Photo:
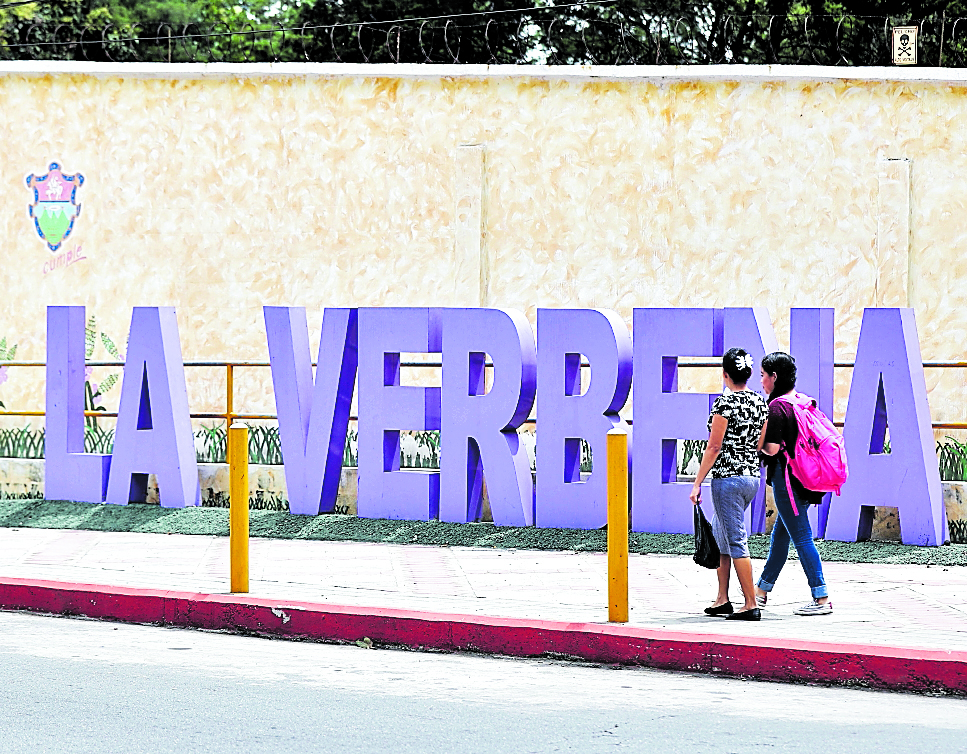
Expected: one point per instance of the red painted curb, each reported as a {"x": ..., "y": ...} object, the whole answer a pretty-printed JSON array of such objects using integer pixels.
[{"x": 768, "y": 659}]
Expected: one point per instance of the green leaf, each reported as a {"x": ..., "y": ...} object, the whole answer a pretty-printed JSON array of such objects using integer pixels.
[
  {"x": 12, "y": 353},
  {"x": 109, "y": 345},
  {"x": 107, "y": 383},
  {"x": 90, "y": 334}
]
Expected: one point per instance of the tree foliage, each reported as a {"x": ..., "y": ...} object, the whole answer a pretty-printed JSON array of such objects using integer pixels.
[{"x": 481, "y": 31}]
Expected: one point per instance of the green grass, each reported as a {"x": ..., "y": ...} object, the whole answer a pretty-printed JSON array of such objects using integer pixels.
[
  {"x": 952, "y": 457},
  {"x": 98, "y": 440},
  {"x": 214, "y": 444},
  {"x": 691, "y": 449},
  {"x": 22, "y": 443},
  {"x": 958, "y": 532},
  {"x": 264, "y": 445}
]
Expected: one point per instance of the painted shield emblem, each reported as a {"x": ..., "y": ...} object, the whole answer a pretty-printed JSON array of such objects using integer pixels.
[{"x": 55, "y": 208}]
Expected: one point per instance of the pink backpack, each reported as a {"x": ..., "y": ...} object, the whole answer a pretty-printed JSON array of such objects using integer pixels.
[{"x": 820, "y": 460}]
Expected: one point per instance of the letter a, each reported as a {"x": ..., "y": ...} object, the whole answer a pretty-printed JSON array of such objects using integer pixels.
[
  {"x": 889, "y": 389},
  {"x": 154, "y": 427}
]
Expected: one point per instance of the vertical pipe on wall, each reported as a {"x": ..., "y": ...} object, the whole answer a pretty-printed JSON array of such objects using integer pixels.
[
  {"x": 471, "y": 263},
  {"x": 893, "y": 279},
  {"x": 229, "y": 395}
]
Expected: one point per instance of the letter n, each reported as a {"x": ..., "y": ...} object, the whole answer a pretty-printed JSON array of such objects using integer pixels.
[
  {"x": 750, "y": 328},
  {"x": 889, "y": 391},
  {"x": 154, "y": 427}
]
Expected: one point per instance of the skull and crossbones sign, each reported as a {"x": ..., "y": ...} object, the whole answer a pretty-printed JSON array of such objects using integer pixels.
[{"x": 905, "y": 50}]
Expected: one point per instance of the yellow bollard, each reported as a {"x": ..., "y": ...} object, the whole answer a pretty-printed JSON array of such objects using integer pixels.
[
  {"x": 617, "y": 526},
  {"x": 238, "y": 512}
]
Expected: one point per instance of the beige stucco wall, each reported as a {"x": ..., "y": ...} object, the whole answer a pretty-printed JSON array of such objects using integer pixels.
[{"x": 219, "y": 189}]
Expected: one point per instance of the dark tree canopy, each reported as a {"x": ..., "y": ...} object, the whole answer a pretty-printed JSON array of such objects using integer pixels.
[{"x": 482, "y": 31}]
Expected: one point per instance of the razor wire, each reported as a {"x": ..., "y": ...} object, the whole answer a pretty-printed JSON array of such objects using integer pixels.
[{"x": 545, "y": 35}]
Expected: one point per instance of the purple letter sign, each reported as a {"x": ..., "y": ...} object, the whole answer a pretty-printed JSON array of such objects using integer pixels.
[
  {"x": 812, "y": 342},
  {"x": 312, "y": 419},
  {"x": 71, "y": 474},
  {"x": 154, "y": 428},
  {"x": 750, "y": 328},
  {"x": 889, "y": 390},
  {"x": 482, "y": 425},
  {"x": 663, "y": 415},
  {"x": 386, "y": 407},
  {"x": 565, "y": 417}
]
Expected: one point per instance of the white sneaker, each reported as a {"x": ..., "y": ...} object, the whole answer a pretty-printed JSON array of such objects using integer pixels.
[{"x": 814, "y": 608}]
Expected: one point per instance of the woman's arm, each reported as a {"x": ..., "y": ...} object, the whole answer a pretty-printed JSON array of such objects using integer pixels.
[
  {"x": 771, "y": 448},
  {"x": 772, "y": 429},
  {"x": 712, "y": 450},
  {"x": 762, "y": 438}
]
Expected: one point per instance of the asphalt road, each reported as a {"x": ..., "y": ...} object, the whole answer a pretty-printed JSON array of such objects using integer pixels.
[{"x": 85, "y": 686}]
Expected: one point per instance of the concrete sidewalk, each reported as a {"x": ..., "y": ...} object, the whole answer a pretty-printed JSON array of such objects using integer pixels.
[{"x": 904, "y": 607}]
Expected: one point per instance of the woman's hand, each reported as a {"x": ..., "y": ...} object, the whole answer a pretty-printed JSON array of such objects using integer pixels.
[{"x": 696, "y": 494}]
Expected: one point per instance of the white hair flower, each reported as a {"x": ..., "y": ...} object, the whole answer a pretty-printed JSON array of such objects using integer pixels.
[{"x": 744, "y": 362}]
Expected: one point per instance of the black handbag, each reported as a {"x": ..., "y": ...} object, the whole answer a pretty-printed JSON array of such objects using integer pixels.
[{"x": 706, "y": 550}]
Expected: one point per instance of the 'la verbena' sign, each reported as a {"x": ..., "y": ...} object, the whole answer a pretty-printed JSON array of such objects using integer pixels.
[{"x": 478, "y": 426}]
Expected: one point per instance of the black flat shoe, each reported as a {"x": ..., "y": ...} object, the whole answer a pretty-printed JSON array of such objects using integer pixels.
[
  {"x": 724, "y": 609},
  {"x": 753, "y": 614}
]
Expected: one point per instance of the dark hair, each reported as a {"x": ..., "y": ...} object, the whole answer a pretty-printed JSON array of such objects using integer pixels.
[
  {"x": 783, "y": 366},
  {"x": 737, "y": 366}
]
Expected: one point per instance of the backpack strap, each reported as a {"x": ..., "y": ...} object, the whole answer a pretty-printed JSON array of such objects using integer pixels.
[
  {"x": 792, "y": 499},
  {"x": 782, "y": 449}
]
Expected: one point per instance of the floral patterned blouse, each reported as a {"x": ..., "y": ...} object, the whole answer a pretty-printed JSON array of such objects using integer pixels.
[{"x": 746, "y": 412}]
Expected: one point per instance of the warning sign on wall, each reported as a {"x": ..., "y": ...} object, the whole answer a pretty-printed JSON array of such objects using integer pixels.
[{"x": 905, "y": 45}]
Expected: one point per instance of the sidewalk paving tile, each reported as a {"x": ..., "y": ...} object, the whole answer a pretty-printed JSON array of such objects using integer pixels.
[{"x": 892, "y": 605}]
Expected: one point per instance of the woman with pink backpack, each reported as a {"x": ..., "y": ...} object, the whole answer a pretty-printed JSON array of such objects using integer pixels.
[{"x": 791, "y": 496}]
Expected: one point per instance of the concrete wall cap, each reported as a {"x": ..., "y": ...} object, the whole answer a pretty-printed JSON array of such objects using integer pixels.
[{"x": 653, "y": 73}]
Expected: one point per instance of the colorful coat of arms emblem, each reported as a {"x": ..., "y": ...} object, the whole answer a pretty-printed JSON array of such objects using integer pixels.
[{"x": 55, "y": 207}]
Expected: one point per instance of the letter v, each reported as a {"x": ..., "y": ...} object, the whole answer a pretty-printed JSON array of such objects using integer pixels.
[{"x": 313, "y": 417}]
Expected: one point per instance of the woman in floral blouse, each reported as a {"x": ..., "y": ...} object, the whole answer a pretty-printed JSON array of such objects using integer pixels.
[{"x": 736, "y": 429}]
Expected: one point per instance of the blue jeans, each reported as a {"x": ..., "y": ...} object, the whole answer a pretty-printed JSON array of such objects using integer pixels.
[
  {"x": 797, "y": 528},
  {"x": 731, "y": 495}
]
